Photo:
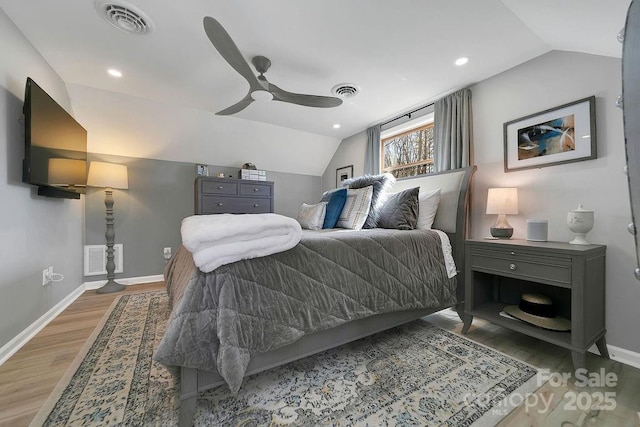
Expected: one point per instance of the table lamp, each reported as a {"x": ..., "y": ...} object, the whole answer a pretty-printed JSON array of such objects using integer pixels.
[
  {"x": 502, "y": 202},
  {"x": 109, "y": 176}
]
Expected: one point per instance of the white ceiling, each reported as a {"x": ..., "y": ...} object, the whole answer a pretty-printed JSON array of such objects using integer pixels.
[{"x": 400, "y": 52}]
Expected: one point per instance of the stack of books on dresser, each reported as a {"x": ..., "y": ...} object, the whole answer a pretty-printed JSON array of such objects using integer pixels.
[{"x": 252, "y": 174}]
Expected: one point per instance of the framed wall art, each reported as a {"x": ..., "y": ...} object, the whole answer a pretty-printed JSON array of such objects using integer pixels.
[
  {"x": 559, "y": 135},
  {"x": 202, "y": 170},
  {"x": 343, "y": 173}
]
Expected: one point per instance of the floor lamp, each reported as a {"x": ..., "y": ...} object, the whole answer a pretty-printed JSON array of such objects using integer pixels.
[{"x": 109, "y": 176}]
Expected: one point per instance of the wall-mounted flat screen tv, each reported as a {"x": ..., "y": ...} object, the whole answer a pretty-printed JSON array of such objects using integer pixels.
[{"x": 55, "y": 146}]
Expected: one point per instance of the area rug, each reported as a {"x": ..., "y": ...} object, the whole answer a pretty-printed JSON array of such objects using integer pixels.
[{"x": 416, "y": 374}]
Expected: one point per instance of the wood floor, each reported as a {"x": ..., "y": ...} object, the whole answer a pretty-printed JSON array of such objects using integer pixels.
[{"x": 28, "y": 377}]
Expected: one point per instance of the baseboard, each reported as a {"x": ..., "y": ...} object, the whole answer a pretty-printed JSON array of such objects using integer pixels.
[
  {"x": 619, "y": 354},
  {"x": 625, "y": 356},
  {"x": 126, "y": 281},
  {"x": 10, "y": 348}
]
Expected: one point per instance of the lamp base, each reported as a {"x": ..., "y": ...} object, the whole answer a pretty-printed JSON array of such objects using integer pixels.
[
  {"x": 501, "y": 233},
  {"x": 111, "y": 286},
  {"x": 502, "y": 229}
]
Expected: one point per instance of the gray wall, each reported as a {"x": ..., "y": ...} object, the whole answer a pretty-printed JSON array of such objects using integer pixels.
[
  {"x": 350, "y": 152},
  {"x": 36, "y": 232},
  {"x": 148, "y": 215},
  {"x": 549, "y": 193}
]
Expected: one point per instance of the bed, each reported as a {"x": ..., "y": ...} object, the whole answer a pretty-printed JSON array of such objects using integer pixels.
[{"x": 331, "y": 288}]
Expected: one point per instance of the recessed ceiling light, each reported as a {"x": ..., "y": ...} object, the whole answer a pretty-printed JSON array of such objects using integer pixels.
[
  {"x": 336, "y": 126},
  {"x": 462, "y": 61},
  {"x": 114, "y": 73}
]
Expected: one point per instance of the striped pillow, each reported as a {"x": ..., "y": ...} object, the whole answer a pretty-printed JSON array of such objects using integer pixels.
[{"x": 356, "y": 208}]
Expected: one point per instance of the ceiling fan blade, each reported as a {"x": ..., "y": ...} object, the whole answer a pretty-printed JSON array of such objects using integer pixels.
[
  {"x": 224, "y": 44},
  {"x": 238, "y": 106},
  {"x": 300, "y": 99}
]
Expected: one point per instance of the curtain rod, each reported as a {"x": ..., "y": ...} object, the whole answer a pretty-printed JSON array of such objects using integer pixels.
[{"x": 406, "y": 114}]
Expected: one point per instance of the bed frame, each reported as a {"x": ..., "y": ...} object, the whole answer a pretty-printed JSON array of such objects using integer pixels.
[{"x": 454, "y": 186}]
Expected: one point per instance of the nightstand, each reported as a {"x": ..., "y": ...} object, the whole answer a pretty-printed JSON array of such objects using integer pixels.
[{"x": 498, "y": 272}]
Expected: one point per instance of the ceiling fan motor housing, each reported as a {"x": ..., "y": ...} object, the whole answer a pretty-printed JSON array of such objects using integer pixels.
[{"x": 261, "y": 63}]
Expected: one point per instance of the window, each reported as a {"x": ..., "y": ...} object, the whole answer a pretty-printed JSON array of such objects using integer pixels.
[{"x": 408, "y": 153}]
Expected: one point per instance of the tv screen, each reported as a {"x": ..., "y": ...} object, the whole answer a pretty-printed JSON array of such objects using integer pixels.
[{"x": 55, "y": 146}]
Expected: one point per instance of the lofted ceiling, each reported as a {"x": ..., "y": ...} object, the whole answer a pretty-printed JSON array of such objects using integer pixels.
[{"x": 400, "y": 53}]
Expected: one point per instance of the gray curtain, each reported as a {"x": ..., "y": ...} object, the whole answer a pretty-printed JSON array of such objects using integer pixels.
[
  {"x": 453, "y": 131},
  {"x": 372, "y": 155}
]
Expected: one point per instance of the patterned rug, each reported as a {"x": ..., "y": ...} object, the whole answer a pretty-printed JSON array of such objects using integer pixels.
[{"x": 415, "y": 374}]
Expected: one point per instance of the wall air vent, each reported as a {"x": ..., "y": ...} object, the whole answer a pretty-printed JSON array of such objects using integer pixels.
[
  {"x": 95, "y": 259},
  {"x": 345, "y": 90},
  {"x": 125, "y": 17}
]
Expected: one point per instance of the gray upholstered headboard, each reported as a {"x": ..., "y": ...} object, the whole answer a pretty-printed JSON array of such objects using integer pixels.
[
  {"x": 453, "y": 187},
  {"x": 453, "y": 209}
]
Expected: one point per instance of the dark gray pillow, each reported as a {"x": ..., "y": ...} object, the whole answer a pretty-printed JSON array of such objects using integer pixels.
[
  {"x": 400, "y": 210},
  {"x": 381, "y": 183}
]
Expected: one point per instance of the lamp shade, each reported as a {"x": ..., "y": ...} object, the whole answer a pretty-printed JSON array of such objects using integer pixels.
[
  {"x": 108, "y": 175},
  {"x": 67, "y": 171},
  {"x": 502, "y": 201}
]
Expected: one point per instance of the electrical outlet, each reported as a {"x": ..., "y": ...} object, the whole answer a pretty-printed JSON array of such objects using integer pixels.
[
  {"x": 166, "y": 253},
  {"x": 47, "y": 274}
]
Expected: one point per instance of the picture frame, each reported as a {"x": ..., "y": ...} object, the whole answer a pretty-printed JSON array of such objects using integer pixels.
[
  {"x": 343, "y": 173},
  {"x": 559, "y": 135},
  {"x": 202, "y": 170}
]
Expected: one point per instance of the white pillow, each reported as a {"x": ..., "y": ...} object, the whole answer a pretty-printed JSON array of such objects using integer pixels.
[
  {"x": 311, "y": 217},
  {"x": 427, "y": 208},
  {"x": 356, "y": 208}
]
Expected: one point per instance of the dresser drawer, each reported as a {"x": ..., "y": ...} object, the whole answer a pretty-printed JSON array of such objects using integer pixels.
[
  {"x": 235, "y": 205},
  {"x": 255, "y": 190},
  {"x": 522, "y": 265},
  {"x": 219, "y": 187}
]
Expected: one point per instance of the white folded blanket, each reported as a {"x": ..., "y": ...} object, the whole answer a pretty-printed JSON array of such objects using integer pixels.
[{"x": 216, "y": 240}]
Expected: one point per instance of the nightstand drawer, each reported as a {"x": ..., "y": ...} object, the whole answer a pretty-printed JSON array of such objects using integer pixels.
[
  {"x": 535, "y": 268},
  {"x": 219, "y": 187},
  {"x": 235, "y": 205},
  {"x": 255, "y": 190}
]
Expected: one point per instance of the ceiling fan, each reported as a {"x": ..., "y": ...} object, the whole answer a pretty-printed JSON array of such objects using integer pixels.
[{"x": 259, "y": 88}]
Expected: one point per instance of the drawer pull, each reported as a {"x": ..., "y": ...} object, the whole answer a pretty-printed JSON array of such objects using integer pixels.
[
  {"x": 512, "y": 266},
  {"x": 256, "y": 189},
  {"x": 220, "y": 187},
  {"x": 513, "y": 253},
  {"x": 220, "y": 204},
  {"x": 256, "y": 205}
]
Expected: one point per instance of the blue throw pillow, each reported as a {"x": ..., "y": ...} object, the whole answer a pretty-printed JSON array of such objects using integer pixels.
[{"x": 336, "y": 200}]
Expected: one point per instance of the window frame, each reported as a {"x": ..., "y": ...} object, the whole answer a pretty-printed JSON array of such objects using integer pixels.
[{"x": 392, "y": 135}]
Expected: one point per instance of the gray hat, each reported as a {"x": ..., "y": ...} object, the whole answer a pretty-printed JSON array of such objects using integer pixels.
[{"x": 538, "y": 310}]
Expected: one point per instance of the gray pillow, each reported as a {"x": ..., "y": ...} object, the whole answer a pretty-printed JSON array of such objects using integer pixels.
[
  {"x": 380, "y": 183},
  {"x": 400, "y": 211}
]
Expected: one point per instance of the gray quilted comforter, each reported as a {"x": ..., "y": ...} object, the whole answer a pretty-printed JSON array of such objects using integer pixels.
[{"x": 220, "y": 319}]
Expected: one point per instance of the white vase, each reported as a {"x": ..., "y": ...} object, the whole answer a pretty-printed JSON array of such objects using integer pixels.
[{"x": 580, "y": 221}]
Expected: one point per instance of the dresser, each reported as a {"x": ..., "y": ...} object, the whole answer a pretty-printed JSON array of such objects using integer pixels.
[
  {"x": 236, "y": 196},
  {"x": 498, "y": 272}
]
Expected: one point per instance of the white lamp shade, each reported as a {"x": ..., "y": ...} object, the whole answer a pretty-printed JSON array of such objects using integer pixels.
[
  {"x": 108, "y": 175},
  {"x": 502, "y": 201},
  {"x": 67, "y": 171}
]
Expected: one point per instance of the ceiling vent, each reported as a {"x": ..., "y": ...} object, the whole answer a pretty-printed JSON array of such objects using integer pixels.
[
  {"x": 345, "y": 90},
  {"x": 125, "y": 17}
]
